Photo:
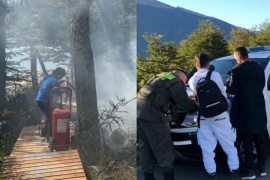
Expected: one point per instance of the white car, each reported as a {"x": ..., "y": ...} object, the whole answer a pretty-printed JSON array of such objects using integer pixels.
[{"x": 184, "y": 129}]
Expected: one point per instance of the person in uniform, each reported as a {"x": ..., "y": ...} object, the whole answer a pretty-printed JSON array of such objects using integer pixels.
[{"x": 154, "y": 138}]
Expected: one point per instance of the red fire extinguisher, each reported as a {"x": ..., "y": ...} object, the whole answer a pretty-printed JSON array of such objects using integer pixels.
[{"x": 60, "y": 116}]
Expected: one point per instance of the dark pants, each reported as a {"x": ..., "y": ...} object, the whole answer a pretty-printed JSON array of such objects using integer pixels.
[
  {"x": 44, "y": 106},
  {"x": 155, "y": 145},
  {"x": 249, "y": 139}
]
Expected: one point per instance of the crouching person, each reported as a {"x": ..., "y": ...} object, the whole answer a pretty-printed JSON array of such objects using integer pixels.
[
  {"x": 43, "y": 98},
  {"x": 153, "y": 131}
]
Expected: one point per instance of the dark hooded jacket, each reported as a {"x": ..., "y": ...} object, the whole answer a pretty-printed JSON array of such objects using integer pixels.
[
  {"x": 248, "y": 112},
  {"x": 174, "y": 89}
]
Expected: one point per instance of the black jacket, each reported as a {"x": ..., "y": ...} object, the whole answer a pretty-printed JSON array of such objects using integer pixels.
[{"x": 246, "y": 82}]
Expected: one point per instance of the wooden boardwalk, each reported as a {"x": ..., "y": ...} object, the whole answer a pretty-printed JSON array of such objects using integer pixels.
[{"x": 31, "y": 159}]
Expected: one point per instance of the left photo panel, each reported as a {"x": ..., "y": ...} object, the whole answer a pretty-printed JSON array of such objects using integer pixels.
[{"x": 68, "y": 89}]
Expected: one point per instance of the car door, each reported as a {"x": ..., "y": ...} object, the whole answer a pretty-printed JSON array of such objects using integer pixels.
[{"x": 266, "y": 93}]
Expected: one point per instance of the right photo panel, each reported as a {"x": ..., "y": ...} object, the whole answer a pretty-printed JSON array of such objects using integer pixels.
[{"x": 203, "y": 90}]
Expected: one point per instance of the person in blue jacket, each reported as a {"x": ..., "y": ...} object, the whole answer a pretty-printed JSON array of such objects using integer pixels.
[{"x": 43, "y": 98}]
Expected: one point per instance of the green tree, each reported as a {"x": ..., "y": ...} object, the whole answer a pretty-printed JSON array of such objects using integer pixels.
[
  {"x": 240, "y": 37},
  {"x": 38, "y": 29},
  {"x": 162, "y": 57},
  {"x": 208, "y": 39},
  {"x": 144, "y": 71},
  {"x": 24, "y": 29},
  {"x": 263, "y": 35}
]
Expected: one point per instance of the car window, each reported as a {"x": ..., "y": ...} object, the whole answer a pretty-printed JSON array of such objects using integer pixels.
[
  {"x": 261, "y": 61},
  {"x": 223, "y": 66}
]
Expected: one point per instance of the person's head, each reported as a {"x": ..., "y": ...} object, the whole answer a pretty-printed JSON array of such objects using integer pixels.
[
  {"x": 240, "y": 55},
  {"x": 59, "y": 73},
  {"x": 181, "y": 75},
  {"x": 201, "y": 61}
]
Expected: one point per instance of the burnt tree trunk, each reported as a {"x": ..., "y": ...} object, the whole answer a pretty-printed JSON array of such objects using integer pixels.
[
  {"x": 2, "y": 52},
  {"x": 85, "y": 84},
  {"x": 33, "y": 60},
  {"x": 42, "y": 63}
]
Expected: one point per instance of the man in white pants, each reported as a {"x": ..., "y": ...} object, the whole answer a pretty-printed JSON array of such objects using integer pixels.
[{"x": 217, "y": 128}]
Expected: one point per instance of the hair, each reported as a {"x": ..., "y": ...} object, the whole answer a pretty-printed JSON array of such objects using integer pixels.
[
  {"x": 59, "y": 72},
  {"x": 202, "y": 59},
  {"x": 242, "y": 51},
  {"x": 178, "y": 72},
  {"x": 180, "y": 75}
]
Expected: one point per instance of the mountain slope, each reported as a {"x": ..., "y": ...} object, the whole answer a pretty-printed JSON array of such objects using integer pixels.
[{"x": 174, "y": 23}]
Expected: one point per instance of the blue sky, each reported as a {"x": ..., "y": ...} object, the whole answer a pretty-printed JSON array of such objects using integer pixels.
[{"x": 242, "y": 13}]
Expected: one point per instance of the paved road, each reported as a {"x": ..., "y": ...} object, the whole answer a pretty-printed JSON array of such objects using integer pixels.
[{"x": 194, "y": 170}]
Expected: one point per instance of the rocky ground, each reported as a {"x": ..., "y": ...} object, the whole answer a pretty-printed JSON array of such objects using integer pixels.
[
  {"x": 121, "y": 159},
  {"x": 119, "y": 156},
  {"x": 122, "y": 168}
]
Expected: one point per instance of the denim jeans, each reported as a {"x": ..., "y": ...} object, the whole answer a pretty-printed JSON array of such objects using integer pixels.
[{"x": 44, "y": 106}]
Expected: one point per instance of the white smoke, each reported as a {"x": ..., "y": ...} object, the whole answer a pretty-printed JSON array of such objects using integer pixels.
[{"x": 115, "y": 64}]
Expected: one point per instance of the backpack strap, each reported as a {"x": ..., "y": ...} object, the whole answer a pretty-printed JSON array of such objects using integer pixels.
[
  {"x": 199, "y": 119},
  {"x": 208, "y": 75}
]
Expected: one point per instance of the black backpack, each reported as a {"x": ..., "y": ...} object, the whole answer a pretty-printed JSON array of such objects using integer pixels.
[
  {"x": 209, "y": 97},
  {"x": 155, "y": 90}
]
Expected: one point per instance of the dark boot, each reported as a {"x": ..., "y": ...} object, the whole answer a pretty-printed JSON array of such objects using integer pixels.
[
  {"x": 235, "y": 175},
  {"x": 168, "y": 175},
  {"x": 212, "y": 176},
  {"x": 262, "y": 170},
  {"x": 148, "y": 176}
]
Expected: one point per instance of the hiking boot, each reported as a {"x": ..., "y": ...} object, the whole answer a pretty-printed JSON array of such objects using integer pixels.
[
  {"x": 212, "y": 176},
  {"x": 262, "y": 171},
  {"x": 248, "y": 174},
  {"x": 168, "y": 175},
  {"x": 235, "y": 175}
]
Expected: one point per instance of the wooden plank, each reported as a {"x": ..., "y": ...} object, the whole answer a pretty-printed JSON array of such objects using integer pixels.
[
  {"x": 44, "y": 174},
  {"x": 32, "y": 159},
  {"x": 44, "y": 168},
  {"x": 58, "y": 156},
  {"x": 57, "y": 153},
  {"x": 39, "y": 158},
  {"x": 13, "y": 165}
]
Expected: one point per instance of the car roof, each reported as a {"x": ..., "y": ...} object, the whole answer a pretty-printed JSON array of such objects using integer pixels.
[{"x": 261, "y": 54}]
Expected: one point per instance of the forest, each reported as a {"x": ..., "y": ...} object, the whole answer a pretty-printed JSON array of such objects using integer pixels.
[{"x": 84, "y": 37}]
